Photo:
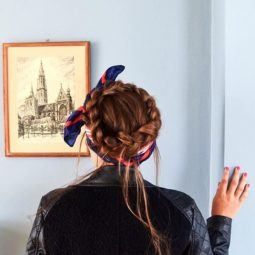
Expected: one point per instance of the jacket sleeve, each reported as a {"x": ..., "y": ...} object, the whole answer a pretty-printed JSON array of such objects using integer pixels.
[
  {"x": 35, "y": 243},
  {"x": 211, "y": 237}
]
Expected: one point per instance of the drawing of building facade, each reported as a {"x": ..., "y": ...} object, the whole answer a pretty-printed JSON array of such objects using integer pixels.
[{"x": 38, "y": 115}]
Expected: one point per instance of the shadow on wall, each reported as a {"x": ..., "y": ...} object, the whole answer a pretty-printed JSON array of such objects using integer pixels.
[{"x": 11, "y": 232}]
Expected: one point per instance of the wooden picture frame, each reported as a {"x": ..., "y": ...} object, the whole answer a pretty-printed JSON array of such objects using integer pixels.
[{"x": 42, "y": 83}]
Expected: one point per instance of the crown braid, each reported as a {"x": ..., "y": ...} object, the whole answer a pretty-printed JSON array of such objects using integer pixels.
[{"x": 112, "y": 139}]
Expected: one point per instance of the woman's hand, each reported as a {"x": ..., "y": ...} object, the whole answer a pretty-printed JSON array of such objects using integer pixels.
[{"x": 230, "y": 195}]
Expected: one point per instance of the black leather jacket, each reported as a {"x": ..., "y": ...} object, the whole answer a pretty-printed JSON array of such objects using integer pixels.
[{"x": 92, "y": 218}]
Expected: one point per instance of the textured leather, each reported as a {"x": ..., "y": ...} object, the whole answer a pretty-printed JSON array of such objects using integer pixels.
[{"x": 92, "y": 218}]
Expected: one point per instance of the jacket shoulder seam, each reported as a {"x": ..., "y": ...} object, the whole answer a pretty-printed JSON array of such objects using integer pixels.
[
  {"x": 187, "y": 209},
  {"x": 50, "y": 199}
]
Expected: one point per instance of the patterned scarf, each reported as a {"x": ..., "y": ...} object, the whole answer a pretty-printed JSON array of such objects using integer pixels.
[{"x": 74, "y": 123}]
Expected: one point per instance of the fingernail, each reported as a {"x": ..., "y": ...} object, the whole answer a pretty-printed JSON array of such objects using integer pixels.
[
  {"x": 238, "y": 168},
  {"x": 248, "y": 185},
  {"x": 245, "y": 174},
  {"x": 226, "y": 168}
]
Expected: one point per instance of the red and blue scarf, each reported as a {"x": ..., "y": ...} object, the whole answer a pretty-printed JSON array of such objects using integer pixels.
[{"x": 74, "y": 123}]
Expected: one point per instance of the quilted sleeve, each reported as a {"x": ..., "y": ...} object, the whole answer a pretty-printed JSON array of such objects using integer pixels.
[
  {"x": 35, "y": 243},
  {"x": 219, "y": 228},
  {"x": 211, "y": 237}
]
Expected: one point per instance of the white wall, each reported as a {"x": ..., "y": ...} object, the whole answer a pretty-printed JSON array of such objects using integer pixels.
[
  {"x": 240, "y": 112},
  {"x": 165, "y": 46}
]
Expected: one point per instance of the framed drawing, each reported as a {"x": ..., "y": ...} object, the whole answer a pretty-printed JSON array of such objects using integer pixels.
[{"x": 43, "y": 83}]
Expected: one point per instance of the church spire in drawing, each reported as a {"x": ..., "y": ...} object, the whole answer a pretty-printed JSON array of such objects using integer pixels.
[
  {"x": 42, "y": 94},
  {"x": 41, "y": 71}
]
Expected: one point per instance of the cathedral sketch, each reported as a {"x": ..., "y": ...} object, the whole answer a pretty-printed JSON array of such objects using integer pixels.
[{"x": 37, "y": 117}]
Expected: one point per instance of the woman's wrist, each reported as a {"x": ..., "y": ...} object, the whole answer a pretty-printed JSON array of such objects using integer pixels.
[{"x": 220, "y": 218}]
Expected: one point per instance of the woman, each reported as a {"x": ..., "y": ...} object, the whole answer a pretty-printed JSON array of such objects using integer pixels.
[{"x": 113, "y": 210}]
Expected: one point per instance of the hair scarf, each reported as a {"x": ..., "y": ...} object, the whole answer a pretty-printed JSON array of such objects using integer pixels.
[{"x": 74, "y": 122}]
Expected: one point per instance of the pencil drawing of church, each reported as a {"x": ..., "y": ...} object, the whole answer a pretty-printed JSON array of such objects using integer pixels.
[{"x": 41, "y": 118}]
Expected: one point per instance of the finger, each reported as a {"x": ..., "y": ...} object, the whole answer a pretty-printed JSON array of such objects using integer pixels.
[
  {"x": 241, "y": 185},
  {"x": 218, "y": 187},
  {"x": 234, "y": 182},
  {"x": 224, "y": 181},
  {"x": 245, "y": 193}
]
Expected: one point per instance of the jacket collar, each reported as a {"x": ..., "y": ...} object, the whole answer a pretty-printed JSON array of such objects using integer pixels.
[{"x": 109, "y": 175}]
